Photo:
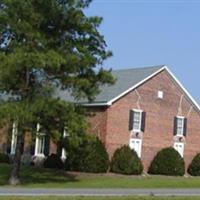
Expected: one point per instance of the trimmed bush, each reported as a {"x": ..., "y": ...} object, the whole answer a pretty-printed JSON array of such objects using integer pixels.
[
  {"x": 168, "y": 162},
  {"x": 90, "y": 157},
  {"x": 126, "y": 161},
  {"x": 4, "y": 158},
  {"x": 194, "y": 167},
  {"x": 53, "y": 161}
]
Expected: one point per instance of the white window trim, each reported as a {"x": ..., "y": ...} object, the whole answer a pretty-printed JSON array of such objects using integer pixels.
[
  {"x": 140, "y": 122},
  {"x": 140, "y": 148},
  {"x": 13, "y": 139},
  {"x": 182, "y": 144},
  {"x": 63, "y": 154},
  {"x": 38, "y": 134},
  {"x": 183, "y": 120}
]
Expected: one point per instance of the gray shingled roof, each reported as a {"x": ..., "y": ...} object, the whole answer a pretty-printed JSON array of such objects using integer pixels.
[{"x": 126, "y": 78}]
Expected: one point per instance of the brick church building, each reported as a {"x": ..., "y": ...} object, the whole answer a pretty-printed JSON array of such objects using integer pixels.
[{"x": 147, "y": 109}]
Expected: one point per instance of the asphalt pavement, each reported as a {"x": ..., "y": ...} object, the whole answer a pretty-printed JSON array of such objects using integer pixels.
[{"x": 96, "y": 192}]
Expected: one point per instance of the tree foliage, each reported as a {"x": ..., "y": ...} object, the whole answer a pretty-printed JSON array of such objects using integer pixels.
[{"x": 45, "y": 46}]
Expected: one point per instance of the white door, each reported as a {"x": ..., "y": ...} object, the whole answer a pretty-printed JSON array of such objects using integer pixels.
[
  {"x": 136, "y": 144},
  {"x": 179, "y": 146}
]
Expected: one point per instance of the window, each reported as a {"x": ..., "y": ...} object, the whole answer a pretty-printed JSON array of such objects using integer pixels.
[
  {"x": 136, "y": 144},
  {"x": 40, "y": 142},
  {"x": 179, "y": 146},
  {"x": 180, "y": 126},
  {"x": 160, "y": 94},
  {"x": 137, "y": 120},
  {"x": 14, "y": 138},
  {"x": 40, "y": 145}
]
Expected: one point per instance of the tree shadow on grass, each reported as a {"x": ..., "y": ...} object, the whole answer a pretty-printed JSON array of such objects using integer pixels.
[
  {"x": 34, "y": 175},
  {"x": 5, "y": 170},
  {"x": 46, "y": 176}
]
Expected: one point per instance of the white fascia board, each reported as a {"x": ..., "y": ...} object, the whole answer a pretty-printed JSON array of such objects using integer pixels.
[
  {"x": 95, "y": 104},
  {"x": 183, "y": 88},
  {"x": 135, "y": 86}
]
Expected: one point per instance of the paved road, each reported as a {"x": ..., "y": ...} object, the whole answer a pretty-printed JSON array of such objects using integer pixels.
[{"x": 98, "y": 192}]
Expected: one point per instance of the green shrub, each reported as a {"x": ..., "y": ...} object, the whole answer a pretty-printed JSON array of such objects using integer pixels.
[
  {"x": 91, "y": 156},
  {"x": 194, "y": 167},
  {"x": 72, "y": 161},
  {"x": 53, "y": 161},
  {"x": 126, "y": 161},
  {"x": 168, "y": 162},
  {"x": 4, "y": 158}
]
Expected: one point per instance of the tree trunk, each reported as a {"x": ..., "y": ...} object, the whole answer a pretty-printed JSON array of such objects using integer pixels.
[{"x": 15, "y": 176}]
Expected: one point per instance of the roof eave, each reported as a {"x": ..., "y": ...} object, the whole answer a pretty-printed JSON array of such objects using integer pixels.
[{"x": 95, "y": 104}]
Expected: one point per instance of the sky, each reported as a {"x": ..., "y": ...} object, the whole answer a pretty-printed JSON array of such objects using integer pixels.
[{"x": 152, "y": 32}]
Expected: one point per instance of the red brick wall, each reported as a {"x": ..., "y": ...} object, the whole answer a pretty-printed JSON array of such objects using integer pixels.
[
  {"x": 52, "y": 147},
  {"x": 159, "y": 119},
  {"x": 97, "y": 119},
  {"x": 27, "y": 143},
  {"x": 3, "y": 139}
]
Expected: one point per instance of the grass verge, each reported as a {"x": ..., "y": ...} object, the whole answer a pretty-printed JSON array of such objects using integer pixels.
[{"x": 45, "y": 178}]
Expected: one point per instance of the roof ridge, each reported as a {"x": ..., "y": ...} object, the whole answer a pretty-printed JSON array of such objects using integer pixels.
[{"x": 139, "y": 68}]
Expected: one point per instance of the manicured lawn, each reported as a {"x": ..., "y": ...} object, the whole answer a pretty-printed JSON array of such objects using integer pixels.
[
  {"x": 100, "y": 198},
  {"x": 45, "y": 178}
]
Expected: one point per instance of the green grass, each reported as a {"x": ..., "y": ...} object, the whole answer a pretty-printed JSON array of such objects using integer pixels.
[
  {"x": 45, "y": 178},
  {"x": 100, "y": 198}
]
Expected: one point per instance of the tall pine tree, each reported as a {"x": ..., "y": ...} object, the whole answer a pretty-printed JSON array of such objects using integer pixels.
[{"x": 47, "y": 45}]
